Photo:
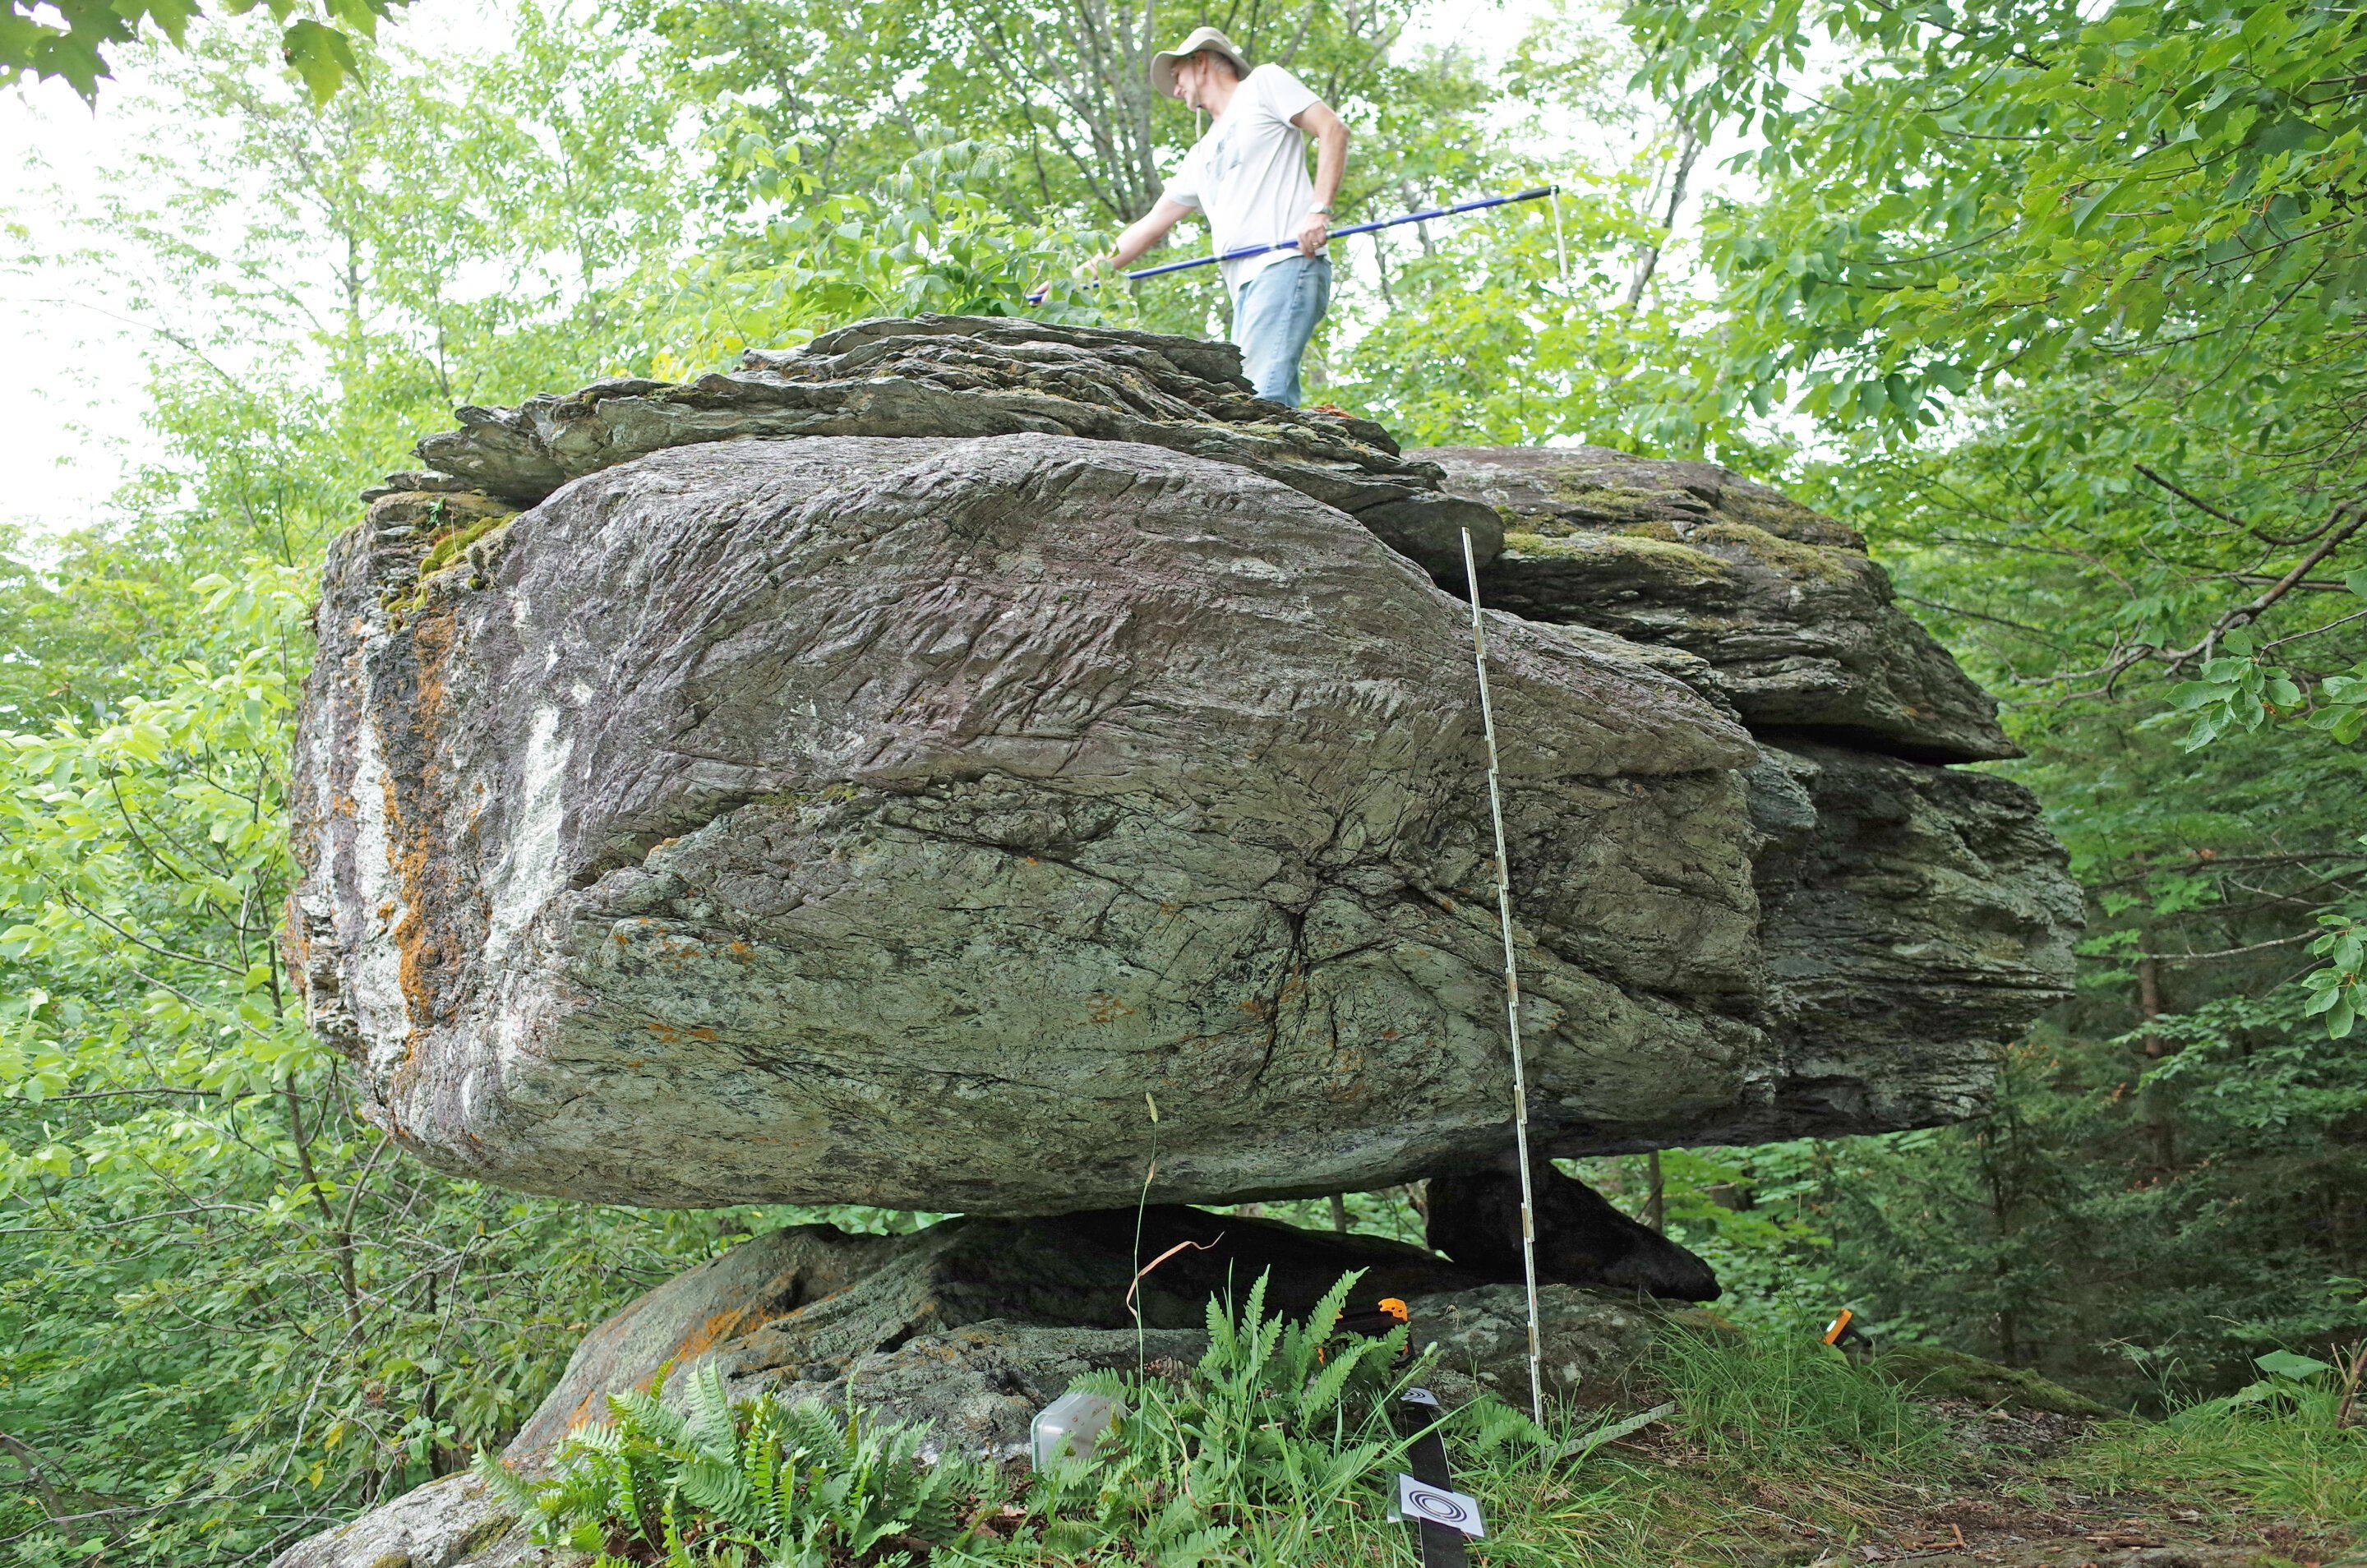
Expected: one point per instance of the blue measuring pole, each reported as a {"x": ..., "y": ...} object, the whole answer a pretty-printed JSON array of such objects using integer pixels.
[{"x": 1423, "y": 216}]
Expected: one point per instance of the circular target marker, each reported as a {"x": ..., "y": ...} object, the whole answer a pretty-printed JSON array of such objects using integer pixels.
[{"x": 1435, "y": 1504}]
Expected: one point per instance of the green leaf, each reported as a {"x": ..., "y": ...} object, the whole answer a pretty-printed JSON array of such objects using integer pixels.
[
  {"x": 2286, "y": 1364},
  {"x": 322, "y": 56}
]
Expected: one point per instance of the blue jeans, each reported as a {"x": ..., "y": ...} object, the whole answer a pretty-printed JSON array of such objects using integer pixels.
[{"x": 1273, "y": 315}]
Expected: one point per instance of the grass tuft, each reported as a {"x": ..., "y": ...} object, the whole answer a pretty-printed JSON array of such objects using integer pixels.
[
  {"x": 1787, "y": 1401},
  {"x": 2295, "y": 1445}
]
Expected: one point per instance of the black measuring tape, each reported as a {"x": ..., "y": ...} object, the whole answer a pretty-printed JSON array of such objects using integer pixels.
[{"x": 1442, "y": 1519}]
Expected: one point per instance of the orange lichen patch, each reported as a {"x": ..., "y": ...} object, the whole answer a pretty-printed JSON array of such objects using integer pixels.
[
  {"x": 722, "y": 1326},
  {"x": 441, "y": 926},
  {"x": 741, "y": 951},
  {"x": 719, "y": 1327},
  {"x": 1107, "y": 1008},
  {"x": 295, "y": 948}
]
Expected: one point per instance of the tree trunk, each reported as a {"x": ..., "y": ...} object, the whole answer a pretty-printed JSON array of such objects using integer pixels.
[{"x": 2158, "y": 1105}]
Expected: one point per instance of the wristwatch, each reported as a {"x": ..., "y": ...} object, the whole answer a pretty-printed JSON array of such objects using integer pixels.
[{"x": 1325, "y": 211}]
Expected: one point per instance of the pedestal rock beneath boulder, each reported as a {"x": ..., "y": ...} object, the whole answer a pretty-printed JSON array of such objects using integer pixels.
[
  {"x": 974, "y": 1326},
  {"x": 864, "y": 777}
]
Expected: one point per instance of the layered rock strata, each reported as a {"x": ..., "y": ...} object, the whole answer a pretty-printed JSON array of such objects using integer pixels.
[
  {"x": 1794, "y": 621},
  {"x": 953, "y": 375},
  {"x": 882, "y": 817}
]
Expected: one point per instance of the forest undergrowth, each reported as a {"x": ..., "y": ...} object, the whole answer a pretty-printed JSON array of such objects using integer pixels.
[{"x": 1729, "y": 1446}]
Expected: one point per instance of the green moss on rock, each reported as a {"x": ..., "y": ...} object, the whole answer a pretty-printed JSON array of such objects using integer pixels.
[
  {"x": 1639, "y": 552},
  {"x": 1793, "y": 560},
  {"x": 1932, "y": 1373}
]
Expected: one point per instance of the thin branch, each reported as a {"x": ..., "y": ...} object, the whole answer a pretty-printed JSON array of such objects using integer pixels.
[
  {"x": 2228, "y": 517},
  {"x": 2235, "y": 952},
  {"x": 2315, "y": 631},
  {"x": 2242, "y": 615}
]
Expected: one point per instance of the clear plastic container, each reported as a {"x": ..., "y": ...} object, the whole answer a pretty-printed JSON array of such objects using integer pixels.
[{"x": 1074, "y": 1424}]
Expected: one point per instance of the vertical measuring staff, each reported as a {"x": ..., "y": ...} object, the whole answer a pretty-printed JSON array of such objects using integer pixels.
[{"x": 1512, "y": 993}]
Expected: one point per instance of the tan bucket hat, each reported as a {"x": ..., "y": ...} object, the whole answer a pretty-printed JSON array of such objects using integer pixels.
[{"x": 1163, "y": 65}]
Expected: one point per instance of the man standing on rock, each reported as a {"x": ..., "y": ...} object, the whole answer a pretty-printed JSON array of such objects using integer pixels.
[{"x": 1248, "y": 174}]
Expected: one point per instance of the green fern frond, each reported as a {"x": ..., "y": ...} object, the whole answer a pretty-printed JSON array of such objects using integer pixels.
[
  {"x": 719, "y": 1488},
  {"x": 677, "y": 1551},
  {"x": 509, "y": 1488},
  {"x": 709, "y": 1425},
  {"x": 1335, "y": 1301},
  {"x": 597, "y": 1437},
  {"x": 1487, "y": 1426},
  {"x": 645, "y": 1418},
  {"x": 812, "y": 1429}
]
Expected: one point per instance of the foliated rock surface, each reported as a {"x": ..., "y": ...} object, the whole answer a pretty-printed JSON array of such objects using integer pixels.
[
  {"x": 454, "y": 1521},
  {"x": 1797, "y": 623},
  {"x": 877, "y": 820},
  {"x": 881, "y": 817},
  {"x": 1916, "y": 916},
  {"x": 940, "y": 376}
]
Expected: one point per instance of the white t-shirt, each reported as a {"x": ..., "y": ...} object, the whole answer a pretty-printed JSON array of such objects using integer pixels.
[{"x": 1249, "y": 173}]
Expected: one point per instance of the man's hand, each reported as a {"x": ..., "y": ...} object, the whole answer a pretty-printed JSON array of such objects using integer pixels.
[
  {"x": 1313, "y": 232},
  {"x": 1331, "y": 162}
]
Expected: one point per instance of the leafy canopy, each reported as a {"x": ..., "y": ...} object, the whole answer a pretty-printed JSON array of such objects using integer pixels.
[
  {"x": 70, "y": 38},
  {"x": 1989, "y": 192}
]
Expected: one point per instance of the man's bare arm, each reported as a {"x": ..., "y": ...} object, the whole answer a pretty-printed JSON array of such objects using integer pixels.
[
  {"x": 1147, "y": 231},
  {"x": 1330, "y": 135}
]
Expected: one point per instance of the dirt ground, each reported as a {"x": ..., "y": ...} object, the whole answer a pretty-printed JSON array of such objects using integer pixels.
[{"x": 2017, "y": 1515}]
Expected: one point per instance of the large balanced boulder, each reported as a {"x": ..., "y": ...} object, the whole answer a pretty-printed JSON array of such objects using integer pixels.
[{"x": 767, "y": 812}]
